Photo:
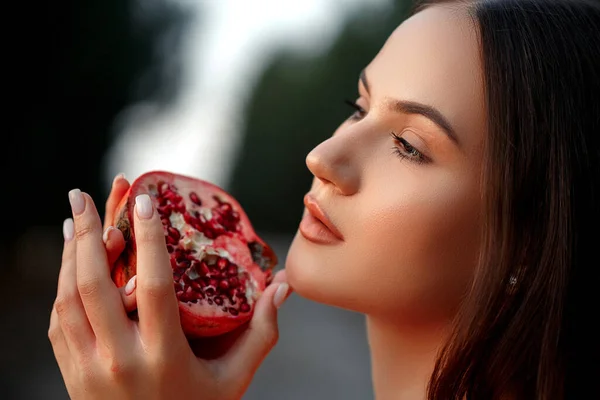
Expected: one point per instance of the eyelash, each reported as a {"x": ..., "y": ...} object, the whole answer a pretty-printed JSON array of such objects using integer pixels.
[
  {"x": 359, "y": 112},
  {"x": 402, "y": 148}
]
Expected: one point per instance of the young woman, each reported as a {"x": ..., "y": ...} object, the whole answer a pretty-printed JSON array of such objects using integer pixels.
[{"x": 456, "y": 208}]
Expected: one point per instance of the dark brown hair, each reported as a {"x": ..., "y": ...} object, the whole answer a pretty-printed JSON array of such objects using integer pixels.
[{"x": 526, "y": 329}]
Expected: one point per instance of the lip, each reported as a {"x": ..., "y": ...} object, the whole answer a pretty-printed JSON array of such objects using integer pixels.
[{"x": 316, "y": 226}]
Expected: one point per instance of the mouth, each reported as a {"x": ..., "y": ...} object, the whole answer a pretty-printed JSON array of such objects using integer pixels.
[{"x": 316, "y": 226}]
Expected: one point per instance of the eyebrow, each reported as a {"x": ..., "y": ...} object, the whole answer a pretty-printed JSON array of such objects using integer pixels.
[{"x": 413, "y": 107}]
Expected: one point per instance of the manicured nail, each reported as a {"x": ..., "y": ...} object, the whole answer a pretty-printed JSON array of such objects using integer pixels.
[
  {"x": 280, "y": 294},
  {"x": 106, "y": 233},
  {"x": 130, "y": 287},
  {"x": 77, "y": 201},
  {"x": 143, "y": 206},
  {"x": 68, "y": 229},
  {"x": 120, "y": 175}
]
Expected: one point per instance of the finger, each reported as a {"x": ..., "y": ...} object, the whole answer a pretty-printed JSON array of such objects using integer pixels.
[
  {"x": 128, "y": 294},
  {"x": 261, "y": 336},
  {"x": 114, "y": 242},
  {"x": 120, "y": 186},
  {"x": 73, "y": 321},
  {"x": 98, "y": 292},
  {"x": 280, "y": 277},
  {"x": 58, "y": 341},
  {"x": 158, "y": 309}
]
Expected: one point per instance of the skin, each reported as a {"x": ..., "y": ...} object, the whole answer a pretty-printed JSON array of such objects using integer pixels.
[
  {"x": 411, "y": 230},
  {"x": 410, "y": 241}
]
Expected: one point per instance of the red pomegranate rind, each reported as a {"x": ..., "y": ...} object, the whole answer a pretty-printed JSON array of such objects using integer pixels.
[{"x": 220, "y": 265}]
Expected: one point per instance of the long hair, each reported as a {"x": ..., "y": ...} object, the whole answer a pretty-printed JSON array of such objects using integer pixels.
[{"x": 525, "y": 331}]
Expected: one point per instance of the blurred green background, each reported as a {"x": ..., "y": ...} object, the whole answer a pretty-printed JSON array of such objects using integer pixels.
[{"x": 73, "y": 68}]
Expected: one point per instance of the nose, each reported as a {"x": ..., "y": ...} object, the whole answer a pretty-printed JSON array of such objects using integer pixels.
[{"x": 331, "y": 162}]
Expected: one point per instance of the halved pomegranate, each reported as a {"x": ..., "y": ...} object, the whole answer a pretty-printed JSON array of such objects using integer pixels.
[{"x": 220, "y": 265}]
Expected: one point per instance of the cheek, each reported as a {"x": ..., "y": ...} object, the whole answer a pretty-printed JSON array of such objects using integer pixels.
[
  {"x": 409, "y": 254},
  {"x": 421, "y": 253},
  {"x": 421, "y": 248}
]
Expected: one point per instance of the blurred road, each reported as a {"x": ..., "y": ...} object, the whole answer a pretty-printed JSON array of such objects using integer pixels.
[{"x": 322, "y": 353}]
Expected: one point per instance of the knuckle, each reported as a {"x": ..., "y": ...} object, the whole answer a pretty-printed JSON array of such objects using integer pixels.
[
  {"x": 88, "y": 287},
  {"x": 87, "y": 375},
  {"x": 149, "y": 234},
  {"x": 63, "y": 303},
  {"x": 157, "y": 287},
  {"x": 160, "y": 366},
  {"x": 84, "y": 229},
  {"x": 121, "y": 369},
  {"x": 54, "y": 334}
]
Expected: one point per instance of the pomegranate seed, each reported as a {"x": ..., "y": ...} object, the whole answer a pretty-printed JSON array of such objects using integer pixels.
[
  {"x": 174, "y": 233},
  {"x": 196, "y": 286},
  {"x": 224, "y": 285},
  {"x": 219, "y": 301},
  {"x": 234, "y": 282},
  {"x": 194, "y": 198},
  {"x": 232, "y": 270},
  {"x": 244, "y": 307},
  {"x": 222, "y": 263},
  {"x": 209, "y": 233},
  {"x": 204, "y": 268},
  {"x": 233, "y": 311},
  {"x": 189, "y": 219}
]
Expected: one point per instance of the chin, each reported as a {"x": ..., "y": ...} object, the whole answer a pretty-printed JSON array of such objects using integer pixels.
[
  {"x": 303, "y": 271},
  {"x": 312, "y": 272}
]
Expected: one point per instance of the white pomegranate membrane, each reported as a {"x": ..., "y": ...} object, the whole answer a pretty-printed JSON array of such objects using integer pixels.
[{"x": 220, "y": 266}]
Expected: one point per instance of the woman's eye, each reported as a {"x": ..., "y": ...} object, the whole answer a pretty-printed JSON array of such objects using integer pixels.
[
  {"x": 405, "y": 150},
  {"x": 359, "y": 112}
]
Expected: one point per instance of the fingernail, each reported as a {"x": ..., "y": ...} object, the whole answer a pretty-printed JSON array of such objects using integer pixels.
[
  {"x": 280, "y": 294},
  {"x": 120, "y": 175},
  {"x": 105, "y": 234},
  {"x": 130, "y": 287},
  {"x": 68, "y": 229},
  {"x": 143, "y": 206},
  {"x": 77, "y": 201}
]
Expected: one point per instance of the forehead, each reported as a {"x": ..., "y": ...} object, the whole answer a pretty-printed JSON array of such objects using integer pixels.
[{"x": 434, "y": 58}]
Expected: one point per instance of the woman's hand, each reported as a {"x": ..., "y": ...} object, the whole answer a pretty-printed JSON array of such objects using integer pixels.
[{"x": 103, "y": 354}]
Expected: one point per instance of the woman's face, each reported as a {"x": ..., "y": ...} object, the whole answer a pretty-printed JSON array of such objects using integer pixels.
[{"x": 399, "y": 182}]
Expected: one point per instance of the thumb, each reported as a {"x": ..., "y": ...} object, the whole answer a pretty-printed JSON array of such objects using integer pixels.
[
  {"x": 114, "y": 242},
  {"x": 128, "y": 297},
  {"x": 262, "y": 334}
]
